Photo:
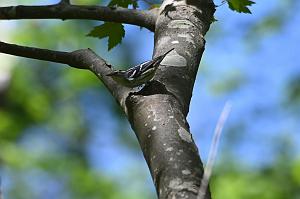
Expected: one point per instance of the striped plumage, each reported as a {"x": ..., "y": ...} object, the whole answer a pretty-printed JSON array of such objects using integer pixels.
[{"x": 139, "y": 74}]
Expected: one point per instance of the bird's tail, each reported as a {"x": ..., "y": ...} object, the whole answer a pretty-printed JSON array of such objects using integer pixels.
[
  {"x": 167, "y": 52},
  {"x": 161, "y": 57}
]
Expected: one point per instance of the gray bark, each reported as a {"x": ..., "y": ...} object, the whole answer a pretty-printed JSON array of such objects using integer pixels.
[{"x": 158, "y": 113}]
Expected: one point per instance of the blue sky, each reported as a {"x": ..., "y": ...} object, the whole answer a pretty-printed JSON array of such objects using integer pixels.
[{"x": 265, "y": 66}]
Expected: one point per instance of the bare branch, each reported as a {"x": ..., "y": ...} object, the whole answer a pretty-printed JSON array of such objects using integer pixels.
[
  {"x": 82, "y": 59},
  {"x": 40, "y": 54},
  {"x": 66, "y": 11},
  {"x": 213, "y": 151}
]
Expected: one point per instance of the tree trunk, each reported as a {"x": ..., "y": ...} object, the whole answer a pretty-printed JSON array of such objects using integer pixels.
[{"x": 158, "y": 113}]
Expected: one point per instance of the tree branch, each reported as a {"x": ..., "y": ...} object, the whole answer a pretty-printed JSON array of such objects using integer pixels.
[
  {"x": 65, "y": 11},
  {"x": 40, "y": 54},
  {"x": 82, "y": 59}
]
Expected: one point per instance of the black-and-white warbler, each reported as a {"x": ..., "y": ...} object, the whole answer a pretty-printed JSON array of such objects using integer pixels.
[{"x": 139, "y": 74}]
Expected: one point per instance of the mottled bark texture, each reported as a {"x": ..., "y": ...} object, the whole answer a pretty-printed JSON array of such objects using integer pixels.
[{"x": 158, "y": 112}]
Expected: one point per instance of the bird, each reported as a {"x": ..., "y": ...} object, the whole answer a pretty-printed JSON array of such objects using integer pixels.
[{"x": 139, "y": 74}]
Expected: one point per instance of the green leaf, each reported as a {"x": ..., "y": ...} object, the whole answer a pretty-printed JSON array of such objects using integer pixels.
[
  {"x": 114, "y": 31},
  {"x": 240, "y": 5},
  {"x": 123, "y": 3}
]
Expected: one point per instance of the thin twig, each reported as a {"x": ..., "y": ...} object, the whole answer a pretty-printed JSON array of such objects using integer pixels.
[
  {"x": 222, "y": 3},
  {"x": 213, "y": 150}
]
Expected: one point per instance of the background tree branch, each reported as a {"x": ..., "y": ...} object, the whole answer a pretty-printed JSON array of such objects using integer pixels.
[
  {"x": 82, "y": 59},
  {"x": 66, "y": 11}
]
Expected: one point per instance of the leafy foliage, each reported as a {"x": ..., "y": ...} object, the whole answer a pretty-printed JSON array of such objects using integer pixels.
[
  {"x": 240, "y": 5},
  {"x": 114, "y": 31}
]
